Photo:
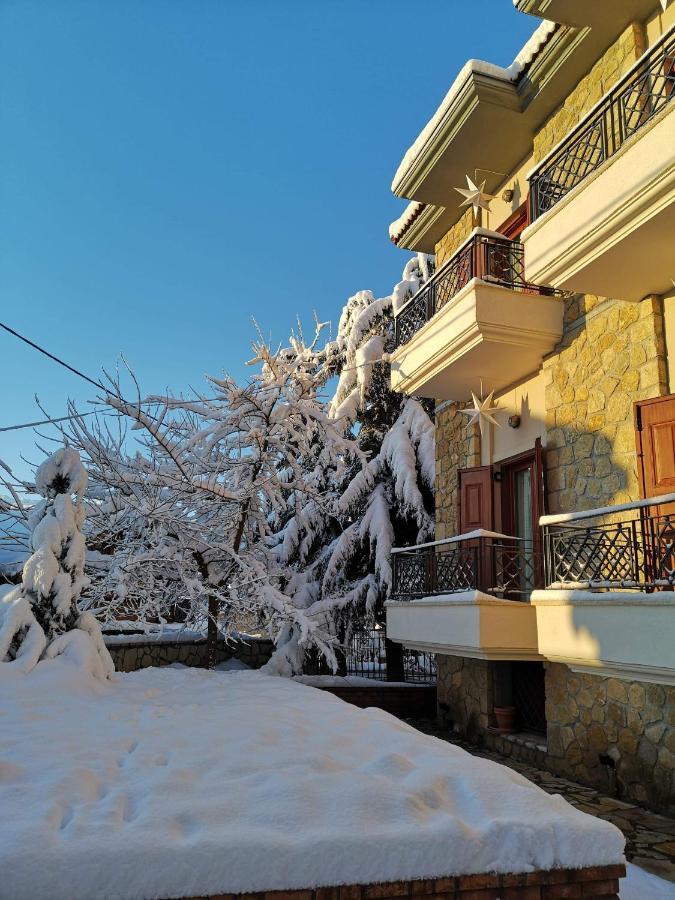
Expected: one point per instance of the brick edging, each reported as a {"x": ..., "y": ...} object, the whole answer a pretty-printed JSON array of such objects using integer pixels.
[{"x": 599, "y": 882}]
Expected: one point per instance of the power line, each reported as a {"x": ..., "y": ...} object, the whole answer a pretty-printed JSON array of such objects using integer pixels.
[
  {"x": 47, "y": 421},
  {"x": 51, "y": 356}
]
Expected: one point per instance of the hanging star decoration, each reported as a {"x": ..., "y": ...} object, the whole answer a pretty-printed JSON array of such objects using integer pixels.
[
  {"x": 664, "y": 4},
  {"x": 482, "y": 411},
  {"x": 476, "y": 196}
]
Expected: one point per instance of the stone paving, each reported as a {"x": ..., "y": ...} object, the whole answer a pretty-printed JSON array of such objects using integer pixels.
[{"x": 650, "y": 838}]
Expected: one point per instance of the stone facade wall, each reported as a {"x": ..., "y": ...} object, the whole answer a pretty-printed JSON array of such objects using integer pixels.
[
  {"x": 455, "y": 236},
  {"x": 465, "y": 694},
  {"x": 130, "y": 656},
  {"x": 613, "y": 353},
  {"x": 631, "y": 725},
  {"x": 457, "y": 447},
  {"x": 604, "y": 74}
]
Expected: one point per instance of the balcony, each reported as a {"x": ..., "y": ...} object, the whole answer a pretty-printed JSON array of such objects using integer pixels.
[
  {"x": 602, "y": 203},
  {"x": 477, "y": 318},
  {"x": 609, "y": 605},
  {"x": 464, "y": 596}
]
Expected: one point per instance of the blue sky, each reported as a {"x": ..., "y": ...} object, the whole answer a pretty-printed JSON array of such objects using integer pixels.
[{"x": 169, "y": 169}]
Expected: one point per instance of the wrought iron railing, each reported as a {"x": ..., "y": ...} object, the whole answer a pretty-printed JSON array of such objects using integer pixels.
[
  {"x": 483, "y": 256},
  {"x": 495, "y": 564},
  {"x": 620, "y": 547},
  {"x": 636, "y": 98}
]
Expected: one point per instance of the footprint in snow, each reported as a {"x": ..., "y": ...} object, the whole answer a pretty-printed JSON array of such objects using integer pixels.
[
  {"x": 130, "y": 749},
  {"x": 66, "y": 818},
  {"x": 183, "y": 827}
]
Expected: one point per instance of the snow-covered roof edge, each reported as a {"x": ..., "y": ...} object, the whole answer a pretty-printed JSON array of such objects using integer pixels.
[
  {"x": 511, "y": 73},
  {"x": 399, "y": 226}
]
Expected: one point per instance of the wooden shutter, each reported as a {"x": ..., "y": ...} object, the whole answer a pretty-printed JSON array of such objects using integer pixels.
[
  {"x": 475, "y": 498},
  {"x": 655, "y": 439}
]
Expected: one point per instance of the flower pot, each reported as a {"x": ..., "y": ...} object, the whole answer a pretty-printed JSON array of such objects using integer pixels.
[{"x": 506, "y": 719}]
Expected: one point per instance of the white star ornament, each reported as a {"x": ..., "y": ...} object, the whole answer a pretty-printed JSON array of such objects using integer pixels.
[
  {"x": 476, "y": 196},
  {"x": 482, "y": 411}
]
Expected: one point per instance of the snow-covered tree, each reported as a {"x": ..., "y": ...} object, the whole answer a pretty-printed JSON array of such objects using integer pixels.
[
  {"x": 339, "y": 548},
  {"x": 191, "y": 516},
  {"x": 42, "y": 617}
]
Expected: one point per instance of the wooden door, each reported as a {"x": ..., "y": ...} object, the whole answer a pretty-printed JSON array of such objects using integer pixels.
[{"x": 655, "y": 439}]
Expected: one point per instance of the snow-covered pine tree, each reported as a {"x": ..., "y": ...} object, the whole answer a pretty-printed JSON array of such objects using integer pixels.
[
  {"x": 41, "y": 617},
  {"x": 339, "y": 549}
]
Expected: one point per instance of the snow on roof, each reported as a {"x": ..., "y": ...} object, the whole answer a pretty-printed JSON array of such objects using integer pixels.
[
  {"x": 511, "y": 73},
  {"x": 399, "y": 226}
]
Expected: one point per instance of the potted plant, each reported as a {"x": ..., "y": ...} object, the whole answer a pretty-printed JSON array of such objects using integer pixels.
[{"x": 506, "y": 719}]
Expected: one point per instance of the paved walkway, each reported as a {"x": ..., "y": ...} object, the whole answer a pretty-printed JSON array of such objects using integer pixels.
[{"x": 650, "y": 838}]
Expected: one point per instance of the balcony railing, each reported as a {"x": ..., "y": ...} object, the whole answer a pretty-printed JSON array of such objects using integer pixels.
[
  {"x": 638, "y": 97},
  {"x": 479, "y": 560},
  {"x": 483, "y": 256},
  {"x": 612, "y": 548}
]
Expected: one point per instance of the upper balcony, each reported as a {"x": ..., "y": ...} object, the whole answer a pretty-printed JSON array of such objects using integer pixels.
[
  {"x": 477, "y": 318},
  {"x": 602, "y": 203}
]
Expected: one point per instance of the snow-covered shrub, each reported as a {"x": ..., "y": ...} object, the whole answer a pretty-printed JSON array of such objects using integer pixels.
[{"x": 41, "y": 617}]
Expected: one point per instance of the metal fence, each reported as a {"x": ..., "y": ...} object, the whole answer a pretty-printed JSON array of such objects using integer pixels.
[
  {"x": 635, "y": 100},
  {"x": 489, "y": 258},
  {"x": 366, "y": 657}
]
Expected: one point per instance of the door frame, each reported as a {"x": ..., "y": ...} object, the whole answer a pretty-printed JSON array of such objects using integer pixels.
[{"x": 530, "y": 458}]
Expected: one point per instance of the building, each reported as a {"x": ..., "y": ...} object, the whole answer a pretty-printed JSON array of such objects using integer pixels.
[{"x": 550, "y": 586}]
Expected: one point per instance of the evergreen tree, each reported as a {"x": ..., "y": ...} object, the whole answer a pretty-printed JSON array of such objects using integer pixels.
[
  {"x": 339, "y": 547},
  {"x": 41, "y": 617}
]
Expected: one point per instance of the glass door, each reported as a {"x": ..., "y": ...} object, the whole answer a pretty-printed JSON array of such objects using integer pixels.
[{"x": 521, "y": 504}]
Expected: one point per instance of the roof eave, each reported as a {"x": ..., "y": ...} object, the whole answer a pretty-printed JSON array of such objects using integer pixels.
[
  {"x": 483, "y": 103},
  {"x": 426, "y": 229}
]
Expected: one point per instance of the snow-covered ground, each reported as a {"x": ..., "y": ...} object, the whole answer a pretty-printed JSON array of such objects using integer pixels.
[
  {"x": 174, "y": 782},
  {"x": 641, "y": 885}
]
